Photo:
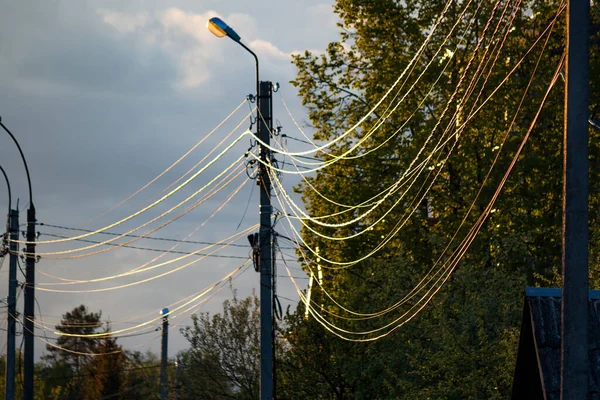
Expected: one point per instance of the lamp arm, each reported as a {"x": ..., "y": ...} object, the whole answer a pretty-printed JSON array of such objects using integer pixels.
[
  {"x": 8, "y": 185},
  {"x": 24, "y": 161},
  {"x": 256, "y": 59}
]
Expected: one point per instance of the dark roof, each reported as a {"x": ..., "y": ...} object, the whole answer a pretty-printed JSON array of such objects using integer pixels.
[{"x": 537, "y": 373}]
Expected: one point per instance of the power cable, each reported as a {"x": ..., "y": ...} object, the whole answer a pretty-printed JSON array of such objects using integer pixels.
[
  {"x": 186, "y": 211},
  {"x": 164, "y": 197},
  {"x": 175, "y": 163},
  {"x": 462, "y": 126}
]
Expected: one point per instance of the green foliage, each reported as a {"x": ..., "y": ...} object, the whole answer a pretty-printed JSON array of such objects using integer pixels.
[
  {"x": 79, "y": 321},
  {"x": 140, "y": 375},
  {"x": 94, "y": 367},
  {"x": 222, "y": 361},
  {"x": 70, "y": 368},
  {"x": 463, "y": 344}
]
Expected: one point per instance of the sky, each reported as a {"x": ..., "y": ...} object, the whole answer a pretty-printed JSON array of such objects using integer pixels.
[{"x": 105, "y": 95}]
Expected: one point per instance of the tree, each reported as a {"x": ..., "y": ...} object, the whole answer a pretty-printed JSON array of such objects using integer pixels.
[
  {"x": 223, "y": 359},
  {"x": 70, "y": 357},
  {"x": 79, "y": 321},
  {"x": 82, "y": 367},
  {"x": 107, "y": 370},
  {"x": 462, "y": 344},
  {"x": 141, "y": 375}
]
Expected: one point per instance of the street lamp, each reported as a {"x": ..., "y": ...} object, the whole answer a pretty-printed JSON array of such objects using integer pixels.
[
  {"x": 220, "y": 29},
  {"x": 29, "y": 283},
  {"x": 264, "y": 105},
  {"x": 12, "y": 228}
]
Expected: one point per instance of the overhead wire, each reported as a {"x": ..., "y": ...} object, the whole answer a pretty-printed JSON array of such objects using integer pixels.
[
  {"x": 356, "y": 219},
  {"x": 170, "y": 167},
  {"x": 144, "y": 267},
  {"x": 467, "y": 119},
  {"x": 389, "y": 112},
  {"x": 400, "y": 78},
  {"x": 219, "y": 186},
  {"x": 41, "y": 286},
  {"x": 457, "y": 255},
  {"x": 391, "y": 190},
  {"x": 152, "y": 238},
  {"x": 199, "y": 295},
  {"x": 189, "y": 171},
  {"x": 173, "y": 208},
  {"x": 164, "y": 197}
]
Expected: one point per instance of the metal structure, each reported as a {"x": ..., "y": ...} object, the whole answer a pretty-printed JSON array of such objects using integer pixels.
[
  {"x": 12, "y": 227},
  {"x": 264, "y": 104},
  {"x": 164, "y": 353},
  {"x": 574, "y": 347}
]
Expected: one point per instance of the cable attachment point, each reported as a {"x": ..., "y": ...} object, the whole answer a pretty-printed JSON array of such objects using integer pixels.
[
  {"x": 253, "y": 240},
  {"x": 278, "y": 311},
  {"x": 276, "y": 87},
  {"x": 249, "y": 167},
  {"x": 251, "y": 98}
]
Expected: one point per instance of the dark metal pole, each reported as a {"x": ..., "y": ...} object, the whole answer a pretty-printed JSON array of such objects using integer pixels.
[
  {"x": 9, "y": 193},
  {"x": 12, "y": 227},
  {"x": 28, "y": 332},
  {"x": 256, "y": 69},
  {"x": 164, "y": 354},
  {"x": 265, "y": 98},
  {"x": 574, "y": 352},
  {"x": 12, "y": 306}
]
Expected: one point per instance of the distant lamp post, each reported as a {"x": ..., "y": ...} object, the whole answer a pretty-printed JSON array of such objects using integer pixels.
[
  {"x": 264, "y": 105},
  {"x": 164, "y": 353}
]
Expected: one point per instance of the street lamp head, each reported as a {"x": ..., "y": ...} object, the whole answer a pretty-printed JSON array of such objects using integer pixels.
[{"x": 219, "y": 28}]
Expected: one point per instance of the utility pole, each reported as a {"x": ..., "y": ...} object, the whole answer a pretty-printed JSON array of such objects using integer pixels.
[
  {"x": 574, "y": 351},
  {"x": 12, "y": 227},
  {"x": 265, "y": 108},
  {"x": 264, "y": 103},
  {"x": 28, "y": 333},
  {"x": 164, "y": 353},
  {"x": 12, "y": 305}
]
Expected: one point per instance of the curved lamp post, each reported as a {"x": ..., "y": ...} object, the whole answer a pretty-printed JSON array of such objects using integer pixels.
[
  {"x": 29, "y": 283},
  {"x": 8, "y": 186},
  {"x": 12, "y": 227},
  {"x": 264, "y": 123}
]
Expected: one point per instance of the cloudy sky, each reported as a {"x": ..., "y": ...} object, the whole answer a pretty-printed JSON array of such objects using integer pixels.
[{"x": 105, "y": 95}]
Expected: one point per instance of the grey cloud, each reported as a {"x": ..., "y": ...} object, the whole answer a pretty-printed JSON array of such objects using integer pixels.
[
  {"x": 98, "y": 115},
  {"x": 48, "y": 48}
]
